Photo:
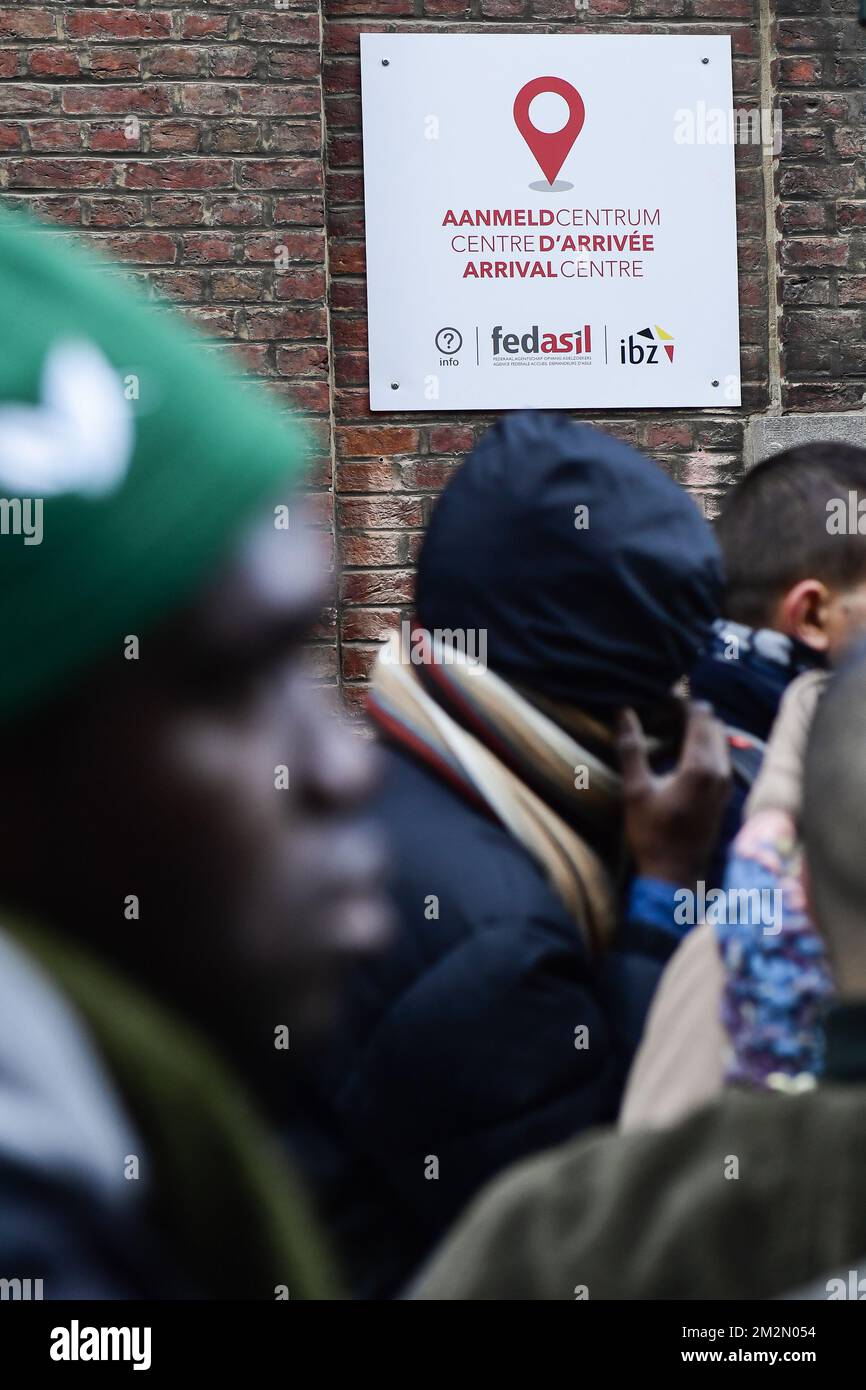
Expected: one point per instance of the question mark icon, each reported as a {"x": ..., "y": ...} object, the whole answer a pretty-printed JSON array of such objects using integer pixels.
[{"x": 449, "y": 340}]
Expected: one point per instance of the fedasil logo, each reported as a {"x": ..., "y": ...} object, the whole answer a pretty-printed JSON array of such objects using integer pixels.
[
  {"x": 77, "y": 1343},
  {"x": 535, "y": 342},
  {"x": 646, "y": 348}
]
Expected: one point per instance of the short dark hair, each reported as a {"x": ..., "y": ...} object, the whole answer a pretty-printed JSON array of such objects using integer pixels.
[{"x": 773, "y": 528}]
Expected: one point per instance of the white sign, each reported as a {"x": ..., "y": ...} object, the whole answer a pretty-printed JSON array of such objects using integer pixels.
[{"x": 550, "y": 221}]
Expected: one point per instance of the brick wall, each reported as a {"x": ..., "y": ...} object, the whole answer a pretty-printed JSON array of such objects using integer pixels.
[
  {"x": 194, "y": 141},
  {"x": 822, "y": 212}
]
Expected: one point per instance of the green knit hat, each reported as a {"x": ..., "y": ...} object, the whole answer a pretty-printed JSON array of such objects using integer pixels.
[{"x": 126, "y": 446}]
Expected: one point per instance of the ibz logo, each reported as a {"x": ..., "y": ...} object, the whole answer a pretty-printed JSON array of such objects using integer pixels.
[
  {"x": 641, "y": 349},
  {"x": 577, "y": 342}
]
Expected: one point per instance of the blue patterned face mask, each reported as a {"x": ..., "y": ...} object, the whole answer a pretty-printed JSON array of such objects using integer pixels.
[{"x": 745, "y": 671}]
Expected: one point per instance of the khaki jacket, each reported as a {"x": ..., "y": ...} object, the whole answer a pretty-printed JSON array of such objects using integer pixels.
[{"x": 750, "y": 1197}]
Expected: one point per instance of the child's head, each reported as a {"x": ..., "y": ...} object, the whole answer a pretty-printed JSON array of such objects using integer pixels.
[{"x": 794, "y": 544}]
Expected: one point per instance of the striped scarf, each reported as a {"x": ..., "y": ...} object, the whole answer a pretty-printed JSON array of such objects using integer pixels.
[{"x": 511, "y": 744}]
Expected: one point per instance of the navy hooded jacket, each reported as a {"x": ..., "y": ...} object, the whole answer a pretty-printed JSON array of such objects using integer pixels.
[{"x": 485, "y": 1032}]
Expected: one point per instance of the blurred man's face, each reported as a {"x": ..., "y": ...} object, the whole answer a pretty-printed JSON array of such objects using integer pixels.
[{"x": 213, "y": 783}]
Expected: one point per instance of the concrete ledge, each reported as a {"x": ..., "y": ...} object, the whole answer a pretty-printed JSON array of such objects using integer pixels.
[{"x": 769, "y": 434}]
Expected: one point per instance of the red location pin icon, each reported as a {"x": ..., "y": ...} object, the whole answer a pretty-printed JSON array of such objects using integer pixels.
[{"x": 550, "y": 148}]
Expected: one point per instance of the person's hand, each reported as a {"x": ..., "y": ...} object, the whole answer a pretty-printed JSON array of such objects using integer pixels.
[{"x": 672, "y": 820}]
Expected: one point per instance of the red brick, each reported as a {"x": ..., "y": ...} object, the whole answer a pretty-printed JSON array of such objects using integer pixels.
[
  {"x": 205, "y": 26},
  {"x": 373, "y": 551},
  {"x": 451, "y": 439},
  {"x": 815, "y": 251},
  {"x": 260, "y": 26},
  {"x": 214, "y": 322},
  {"x": 145, "y": 248},
  {"x": 118, "y": 24},
  {"x": 427, "y": 475},
  {"x": 376, "y": 8},
  {"x": 347, "y": 258},
  {"x": 852, "y": 289},
  {"x": 387, "y": 439},
  {"x": 378, "y": 586},
  {"x": 232, "y": 62},
  {"x": 800, "y": 72},
  {"x": 60, "y": 173},
  {"x": 20, "y": 97},
  {"x": 177, "y": 62},
  {"x": 115, "y": 212},
  {"x": 299, "y": 210},
  {"x": 111, "y": 138},
  {"x": 286, "y": 323},
  {"x": 723, "y": 9},
  {"x": 370, "y": 475},
  {"x": 114, "y": 64},
  {"x": 237, "y": 285},
  {"x": 109, "y": 101},
  {"x": 279, "y": 173},
  {"x": 27, "y": 22},
  {"x": 178, "y": 286},
  {"x": 503, "y": 9},
  {"x": 358, "y": 662},
  {"x": 668, "y": 436},
  {"x": 298, "y": 361},
  {"x": 179, "y": 174},
  {"x": 235, "y": 137},
  {"x": 177, "y": 210},
  {"x": 265, "y": 100},
  {"x": 292, "y": 64},
  {"x": 237, "y": 211},
  {"x": 297, "y": 246},
  {"x": 53, "y": 62},
  {"x": 208, "y": 247},
  {"x": 11, "y": 137},
  {"x": 183, "y": 137},
  {"x": 209, "y": 99},
  {"x": 301, "y": 284},
  {"x": 55, "y": 136},
  {"x": 310, "y": 396},
  {"x": 369, "y": 624}
]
